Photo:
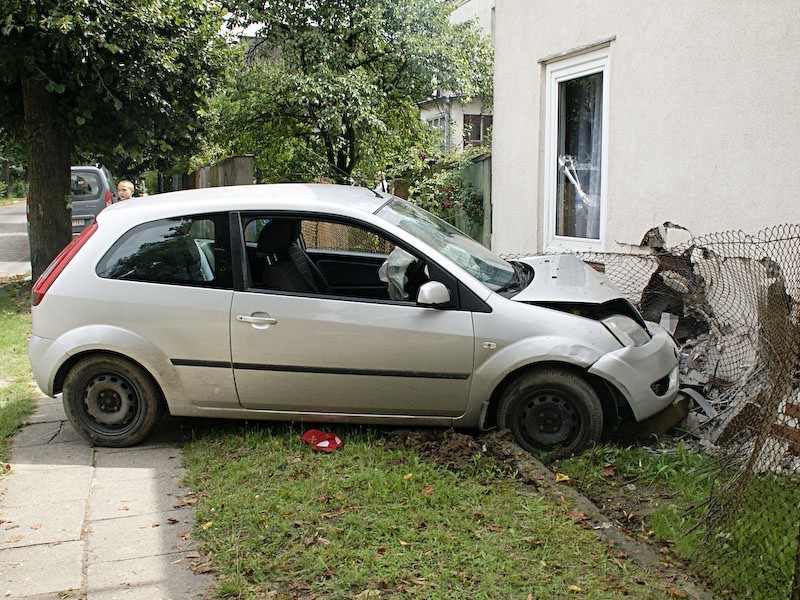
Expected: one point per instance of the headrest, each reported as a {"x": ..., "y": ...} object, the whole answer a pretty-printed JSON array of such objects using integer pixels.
[{"x": 277, "y": 235}]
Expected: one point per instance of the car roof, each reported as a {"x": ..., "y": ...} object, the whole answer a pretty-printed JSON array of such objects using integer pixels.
[{"x": 323, "y": 198}]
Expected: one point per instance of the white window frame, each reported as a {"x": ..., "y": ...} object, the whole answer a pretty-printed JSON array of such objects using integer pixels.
[{"x": 556, "y": 72}]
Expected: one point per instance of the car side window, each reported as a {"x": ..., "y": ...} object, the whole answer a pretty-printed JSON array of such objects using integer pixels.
[
  {"x": 182, "y": 251},
  {"x": 316, "y": 256}
]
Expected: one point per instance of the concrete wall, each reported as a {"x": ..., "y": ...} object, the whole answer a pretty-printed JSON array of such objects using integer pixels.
[
  {"x": 237, "y": 170},
  {"x": 704, "y": 113}
]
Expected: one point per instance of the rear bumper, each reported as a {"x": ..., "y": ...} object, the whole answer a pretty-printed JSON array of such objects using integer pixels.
[
  {"x": 646, "y": 376},
  {"x": 45, "y": 356}
]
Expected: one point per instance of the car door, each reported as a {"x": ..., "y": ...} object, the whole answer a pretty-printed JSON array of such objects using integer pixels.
[
  {"x": 329, "y": 355},
  {"x": 308, "y": 352}
]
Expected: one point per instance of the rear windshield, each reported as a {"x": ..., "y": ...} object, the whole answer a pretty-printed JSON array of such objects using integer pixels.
[{"x": 85, "y": 186}]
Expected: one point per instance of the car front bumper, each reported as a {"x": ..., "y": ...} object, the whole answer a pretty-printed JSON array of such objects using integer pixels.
[{"x": 647, "y": 376}]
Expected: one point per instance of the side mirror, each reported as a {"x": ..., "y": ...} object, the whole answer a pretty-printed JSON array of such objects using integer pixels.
[{"x": 433, "y": 294}]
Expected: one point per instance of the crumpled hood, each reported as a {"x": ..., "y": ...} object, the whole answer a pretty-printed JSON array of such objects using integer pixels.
[{"x": 565, "y": 278}]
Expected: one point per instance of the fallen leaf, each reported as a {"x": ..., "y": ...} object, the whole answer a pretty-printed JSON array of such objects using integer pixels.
[
  {"x": 124, "y": 508},
  {"x": 36, "y": 527},
  {"x": 407, "y": 476},
  {"x": 322, "y": 541},
  {"x": 402, "y": 543},
  {"x": 495, "y": 528},
  {"x": 206, "y": 525},
  {"x": 427, "y": 491},
  {"x": 192, "y": 555},
  {"x": 185, "y": 534},
  {"x": 202, "y": 568},
  {"x": 560, "y": 477},
  {"x": 300, "y": 586},
  {"x": 609, "y": 470},
  {"x": 14, "y": 538},
  {"x": 155, "y": 524},
  {"x": 575, "y": 589},
  {"x": 577, "y": 516},
  {"x": 172, "y": 520}
]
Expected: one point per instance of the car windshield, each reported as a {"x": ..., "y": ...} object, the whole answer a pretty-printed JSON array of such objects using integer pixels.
[{"x": 474, "y": 258}]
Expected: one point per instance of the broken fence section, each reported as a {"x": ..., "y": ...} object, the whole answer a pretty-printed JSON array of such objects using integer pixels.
[{"x": 733, "y": 302}]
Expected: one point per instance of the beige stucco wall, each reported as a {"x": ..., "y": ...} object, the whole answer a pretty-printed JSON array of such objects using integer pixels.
[{"x": 704, "y": 113}]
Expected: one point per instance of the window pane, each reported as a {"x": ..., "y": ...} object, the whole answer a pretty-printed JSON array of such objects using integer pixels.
[
  {"x": 580, "y": 121},
  {"x": 182, "y": 251}
]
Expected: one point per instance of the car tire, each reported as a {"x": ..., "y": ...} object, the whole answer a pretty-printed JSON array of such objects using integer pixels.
[
  {"x": 111, "y": 401},
  {"x": 552, "y": 409}
]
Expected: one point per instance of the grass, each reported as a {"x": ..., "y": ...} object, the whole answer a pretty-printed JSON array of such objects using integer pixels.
[
  {"x": 4, "y": 200},
  {"x": 16, "y": 391},
  {"x": 280, "y": 521},
  {"x": 749, "y": 552}
]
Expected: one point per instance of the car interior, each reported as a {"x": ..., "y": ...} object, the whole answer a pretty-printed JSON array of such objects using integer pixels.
[{"x": 323, "y": 257}]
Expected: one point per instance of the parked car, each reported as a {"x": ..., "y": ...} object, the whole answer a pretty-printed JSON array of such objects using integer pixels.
[
  {"x": 325, "y": 303},
  {"x": 91, "y": 190}
]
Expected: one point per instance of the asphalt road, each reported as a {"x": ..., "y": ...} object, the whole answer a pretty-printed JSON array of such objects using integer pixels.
[{"x": 14, "y": 251}]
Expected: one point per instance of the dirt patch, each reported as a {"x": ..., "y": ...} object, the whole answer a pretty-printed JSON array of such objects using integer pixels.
[{"x": 446, "y": 448}]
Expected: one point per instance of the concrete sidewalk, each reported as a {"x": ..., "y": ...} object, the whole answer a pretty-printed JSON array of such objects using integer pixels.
[{"x": 96, "y": 523}]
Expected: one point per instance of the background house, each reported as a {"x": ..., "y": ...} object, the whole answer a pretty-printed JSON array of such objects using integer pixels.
[
  {"x": 613, "y": 117},
  {"x": 462, "y": 123}
]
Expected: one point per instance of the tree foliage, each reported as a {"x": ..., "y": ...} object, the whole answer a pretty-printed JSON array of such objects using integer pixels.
[
  {"x": 332, "y": 87},
  {"x": 118, "y": 80}
]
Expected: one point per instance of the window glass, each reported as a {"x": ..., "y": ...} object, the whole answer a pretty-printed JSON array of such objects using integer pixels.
[
  {"x": 182, "y": 251},
  {"x": 477, "y": 129},
  {"x": 84, "y": 186},
  {"x": 580, "y": 135}
]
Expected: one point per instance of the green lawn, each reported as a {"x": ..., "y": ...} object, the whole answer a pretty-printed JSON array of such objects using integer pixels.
[
  {"x": 281, "y": 521},
  {"x": 16, "y": 390}
]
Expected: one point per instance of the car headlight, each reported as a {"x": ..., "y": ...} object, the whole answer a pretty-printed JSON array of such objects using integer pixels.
[{"x": 627, "y": 331}]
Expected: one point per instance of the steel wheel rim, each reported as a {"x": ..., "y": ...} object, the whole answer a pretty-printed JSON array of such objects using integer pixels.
[
  {"x": 111, "y": 402},
  {"x": 548, "y": 419}
]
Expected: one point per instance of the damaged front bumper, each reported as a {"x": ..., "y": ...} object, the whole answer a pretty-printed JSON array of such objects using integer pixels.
[{"x": 647, "y": 376}]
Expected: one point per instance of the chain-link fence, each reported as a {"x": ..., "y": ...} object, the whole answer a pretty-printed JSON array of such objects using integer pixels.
[{"x": 734, "y": 302}]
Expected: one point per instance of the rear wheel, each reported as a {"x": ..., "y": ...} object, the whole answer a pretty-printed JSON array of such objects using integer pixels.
[
  {"x": 111, "y": 401},
  {"x": 552, "y": 409}
]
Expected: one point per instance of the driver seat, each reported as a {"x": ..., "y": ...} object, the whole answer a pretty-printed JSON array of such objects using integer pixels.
[{"x": 286, "y": 265}]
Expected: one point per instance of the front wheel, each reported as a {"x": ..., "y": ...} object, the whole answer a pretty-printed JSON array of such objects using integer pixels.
[
  {"x": 111, "y": 401},
  {"x": 552, "y": 409}
]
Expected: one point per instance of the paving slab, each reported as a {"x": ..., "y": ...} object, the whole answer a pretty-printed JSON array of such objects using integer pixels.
[
  {"x": 144, "y": 579},
  {"x": 95, "y": 523},
  {"x": 43, "y": 523},
  {"x": 41, "y": 570}
]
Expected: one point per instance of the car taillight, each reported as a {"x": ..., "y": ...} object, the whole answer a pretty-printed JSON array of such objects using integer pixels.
[
  {"x": 108, "y": 198},
  {"x": 52, "y": 272}
]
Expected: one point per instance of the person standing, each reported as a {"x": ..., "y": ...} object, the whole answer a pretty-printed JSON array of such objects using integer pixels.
[{"x": 125, "y": 189}]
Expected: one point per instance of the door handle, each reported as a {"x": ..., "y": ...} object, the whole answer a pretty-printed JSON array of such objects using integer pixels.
[{"x": 256, "y": 320}]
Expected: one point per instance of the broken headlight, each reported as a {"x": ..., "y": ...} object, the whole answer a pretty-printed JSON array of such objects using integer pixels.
[{"x": 627, "y": 331}]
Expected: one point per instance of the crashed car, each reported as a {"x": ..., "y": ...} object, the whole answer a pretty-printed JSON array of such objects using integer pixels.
[{"x": 324, "y": 303}]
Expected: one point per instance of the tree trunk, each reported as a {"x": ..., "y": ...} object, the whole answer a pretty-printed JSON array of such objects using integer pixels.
[
  {"x": 48, "y": 176},
  {"x": 7, "y": 178}
]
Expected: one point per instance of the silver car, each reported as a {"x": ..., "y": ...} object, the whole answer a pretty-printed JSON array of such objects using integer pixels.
[{"x": 325, "y": 303}]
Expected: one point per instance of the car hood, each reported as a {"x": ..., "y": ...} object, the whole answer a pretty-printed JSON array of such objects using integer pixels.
[{"x": 565, "y": 278}]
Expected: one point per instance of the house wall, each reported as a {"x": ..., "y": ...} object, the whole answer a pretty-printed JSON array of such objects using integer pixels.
[
  {"x": 704, "y": 114},
  {"x": 481, "y": 11},
  {"x": 456, "y": 109}
]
